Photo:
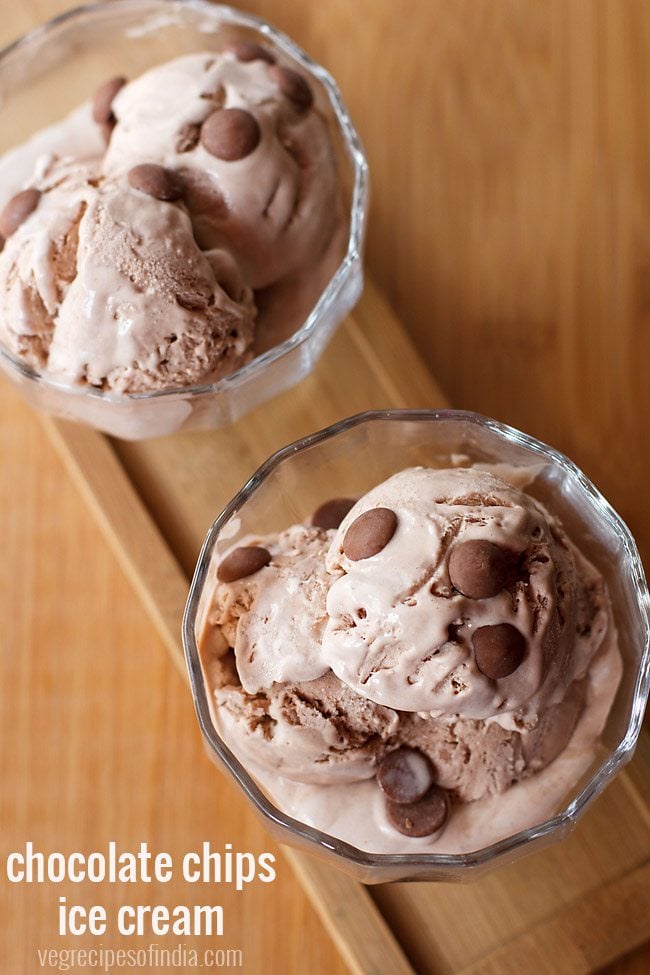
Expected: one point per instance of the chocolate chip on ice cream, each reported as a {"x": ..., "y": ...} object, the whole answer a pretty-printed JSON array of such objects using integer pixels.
[
  {"x": 293, "y": 86},
  {"x": 247, "y": 51},
  {"x": 16, "y": 211},
  {"x": 104, "y": 97},
  {"x": 230, "y": 134},
  {"x": 243, "y": 562},
  {"x": 480, "y": 569},
  {"x": 369, "y": 533},
  {"x": 331, "y": 513},
  {"x": 156, "y": 181},
  {"x": 405, "y": 775},
  {"x": 102, "y": 106},
  {"x": 423, "y": 817},
  {"x": 498, "y": 650}
]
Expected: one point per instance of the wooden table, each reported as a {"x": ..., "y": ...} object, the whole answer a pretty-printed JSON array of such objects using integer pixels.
[{"x": 510, "y": 230}]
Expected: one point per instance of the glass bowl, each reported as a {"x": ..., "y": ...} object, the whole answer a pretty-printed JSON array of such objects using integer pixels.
[
  {"x": 45, "y": 75},
  {"x": 347, "y": 459}
]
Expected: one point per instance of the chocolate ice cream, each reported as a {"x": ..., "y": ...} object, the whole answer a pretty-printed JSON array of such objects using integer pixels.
[
  {"x": 105, "y": 285},
  {"x": 432, "y": 671},
  {"x": 255, "y": 159},
  {"x": 135, "y": 257},
  {"x": 263, "y": 634}
]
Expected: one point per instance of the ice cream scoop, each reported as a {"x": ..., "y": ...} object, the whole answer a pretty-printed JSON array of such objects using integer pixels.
[
  {"x": 284, "y": 581},
  {"x": 274, "y": 693},
  {"x": 456, "y": 593},
  {"x": 133, "y": 263},
  {"x": 105, "y": 285},
  {"x": 252, "y": 148}
]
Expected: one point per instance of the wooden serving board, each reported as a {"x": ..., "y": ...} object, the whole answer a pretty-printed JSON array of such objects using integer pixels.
[{"x": 570, "y": 909}]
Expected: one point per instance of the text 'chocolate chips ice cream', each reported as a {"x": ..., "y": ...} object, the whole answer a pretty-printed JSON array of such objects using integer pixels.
[{"x": 421, "y": 666}]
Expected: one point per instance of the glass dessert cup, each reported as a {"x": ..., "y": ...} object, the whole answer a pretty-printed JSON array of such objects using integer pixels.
[
  {"x": 47, "y": 73},
  {"x": 349, "y": 458}
]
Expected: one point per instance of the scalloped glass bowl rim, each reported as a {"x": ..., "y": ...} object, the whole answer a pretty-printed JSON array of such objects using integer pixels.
[
  {"x": 358, "y": 207},
  {"x": 361, "y": 858}
]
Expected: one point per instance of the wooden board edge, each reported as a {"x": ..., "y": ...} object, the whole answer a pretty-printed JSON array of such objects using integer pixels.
[
  {"x": 125, "y": 522},
  {"x": 344, "y": 905},
  {"x": 391, "y": 353},
  {"x": 355, "y": 924},
  {"x": 575, "y": 933}
]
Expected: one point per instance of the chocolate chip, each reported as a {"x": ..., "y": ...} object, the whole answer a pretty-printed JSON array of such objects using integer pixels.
[
  {"x": 103, "y": 100},
  {"x": 480, "y": 569},
  {"x": 405, "y": 775},
  {"x": 230, "y": 134},
  {"x": 247, "y": 51},
  {"x": 293, "y": 86},
  {"x": 242, "y": 562},
  {"x": 498, "y": 650},
  {"x": 421, "y": 818},
  {"x": 17, "y": 210},
  {"x": 369, "y": 533},
  {"x": 331, "y": 513},
  {"x": 156, "y": 181}
]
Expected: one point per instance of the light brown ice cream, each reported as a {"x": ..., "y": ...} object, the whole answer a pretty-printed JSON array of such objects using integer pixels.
[
  {"x": 337, "y": 654},
  {"x": 132, "y": 255},
  {"x": 272, "y": 197},
  {"x": 106, "y": 286},
  {"x": 262, "y": 641},
  {"x": 402, "y": 628}
]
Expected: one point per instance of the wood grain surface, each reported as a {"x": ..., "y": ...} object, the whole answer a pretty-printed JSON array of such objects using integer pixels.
[
  {"x": 542, "y": 908},
  {"x": 510, "y": 227}
]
